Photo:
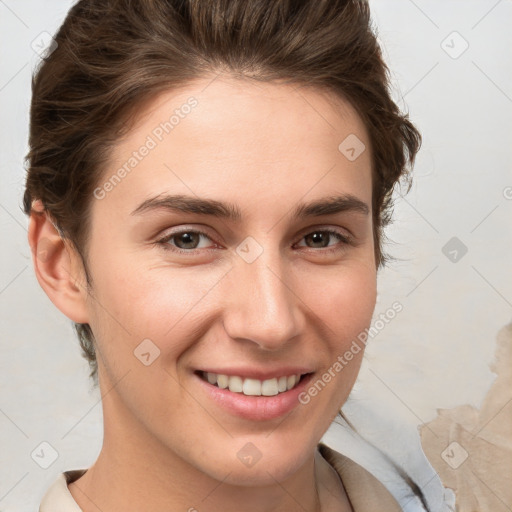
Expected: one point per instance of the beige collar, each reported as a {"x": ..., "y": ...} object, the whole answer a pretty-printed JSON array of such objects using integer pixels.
[
  {"x": 365, "y": 492},
  {"x": 57, "y": 497}
]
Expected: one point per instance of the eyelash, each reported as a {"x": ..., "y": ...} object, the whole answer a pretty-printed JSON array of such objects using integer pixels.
[{"x": 164, "y": 242}]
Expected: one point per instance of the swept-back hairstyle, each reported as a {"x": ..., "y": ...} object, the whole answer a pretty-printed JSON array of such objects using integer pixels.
[{"x": 112, "y": 56}]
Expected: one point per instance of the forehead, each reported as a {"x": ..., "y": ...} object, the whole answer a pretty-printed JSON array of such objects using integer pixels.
[
  {"x": 223, "y": 105},
  {"x": 243, "y": 139}
]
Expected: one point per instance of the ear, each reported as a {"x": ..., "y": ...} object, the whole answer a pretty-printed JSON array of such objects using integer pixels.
[{"x": 57, "y": 265}]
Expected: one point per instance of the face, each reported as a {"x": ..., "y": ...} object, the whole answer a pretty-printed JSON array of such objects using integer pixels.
[{"x": 237, "y": 244}]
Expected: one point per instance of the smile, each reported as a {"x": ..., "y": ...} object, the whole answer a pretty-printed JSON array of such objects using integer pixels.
[{"x": 252, "y": 387}]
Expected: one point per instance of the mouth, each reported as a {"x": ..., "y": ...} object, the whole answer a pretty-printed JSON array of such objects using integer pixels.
[
  {"x": 254, "y": 399},
  {"x": 253, "y": 387}
]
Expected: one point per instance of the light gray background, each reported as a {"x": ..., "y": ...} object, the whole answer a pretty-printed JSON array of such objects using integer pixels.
[{"x": 435, "y": 354}]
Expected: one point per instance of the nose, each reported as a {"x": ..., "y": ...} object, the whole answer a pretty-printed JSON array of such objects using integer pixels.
[{"x": 263, "y": 304}]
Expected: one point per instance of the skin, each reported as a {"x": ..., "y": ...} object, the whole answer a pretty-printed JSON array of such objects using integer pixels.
[{"x": 265, "y": 148}]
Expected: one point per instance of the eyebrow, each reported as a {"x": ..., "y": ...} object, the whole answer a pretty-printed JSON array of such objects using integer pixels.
[{"x": 228, "y": 211}]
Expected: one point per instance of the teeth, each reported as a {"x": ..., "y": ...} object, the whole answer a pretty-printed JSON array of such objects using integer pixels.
[
  {"x": 252, "y": 387},
  {"x": 269, "y": 387},
  {"x": 222, "y": 380},
  {"x": 236, "y": 384}
]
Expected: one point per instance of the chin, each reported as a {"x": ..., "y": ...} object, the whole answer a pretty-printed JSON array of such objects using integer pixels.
[{"x": 253, "y": 467}]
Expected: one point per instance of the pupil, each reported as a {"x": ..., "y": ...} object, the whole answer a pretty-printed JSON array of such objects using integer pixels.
[
  {"x": 186, "y": 239},
  {"x": 318, "y": 238}
]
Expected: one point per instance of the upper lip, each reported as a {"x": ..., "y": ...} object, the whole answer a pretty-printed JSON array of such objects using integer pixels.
[{"x": 259, "y": 373}]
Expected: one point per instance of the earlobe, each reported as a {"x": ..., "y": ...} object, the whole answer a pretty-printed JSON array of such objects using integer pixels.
[{"x": 57, "y": 265}]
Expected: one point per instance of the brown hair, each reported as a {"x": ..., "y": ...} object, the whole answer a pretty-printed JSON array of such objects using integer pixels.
[{"x": 111, "y": 56}]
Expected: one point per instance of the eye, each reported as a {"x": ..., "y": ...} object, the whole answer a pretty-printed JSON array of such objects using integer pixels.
[
  {"x": 320, "y": 239},
  {"x": 184, "y": 241}
]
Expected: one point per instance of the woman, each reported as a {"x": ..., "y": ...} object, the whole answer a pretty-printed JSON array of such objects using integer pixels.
[{"x": 207, "y": 187}]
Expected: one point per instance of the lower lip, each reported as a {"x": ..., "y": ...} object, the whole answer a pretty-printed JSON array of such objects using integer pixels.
[{"x": 256, "y": 408}]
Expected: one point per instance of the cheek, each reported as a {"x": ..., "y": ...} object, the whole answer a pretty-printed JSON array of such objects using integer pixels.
[
  {"x": 344, "y": 301},
  {"x": 132, "y": 304},
  {"x": 344, "y": 305}
]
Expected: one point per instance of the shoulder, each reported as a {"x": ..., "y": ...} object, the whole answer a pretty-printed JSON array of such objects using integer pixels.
[
  {"x": 58, "y": 498},
  {"x": 368, "y": 441},
  {"x": 364, "y": 491}
]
